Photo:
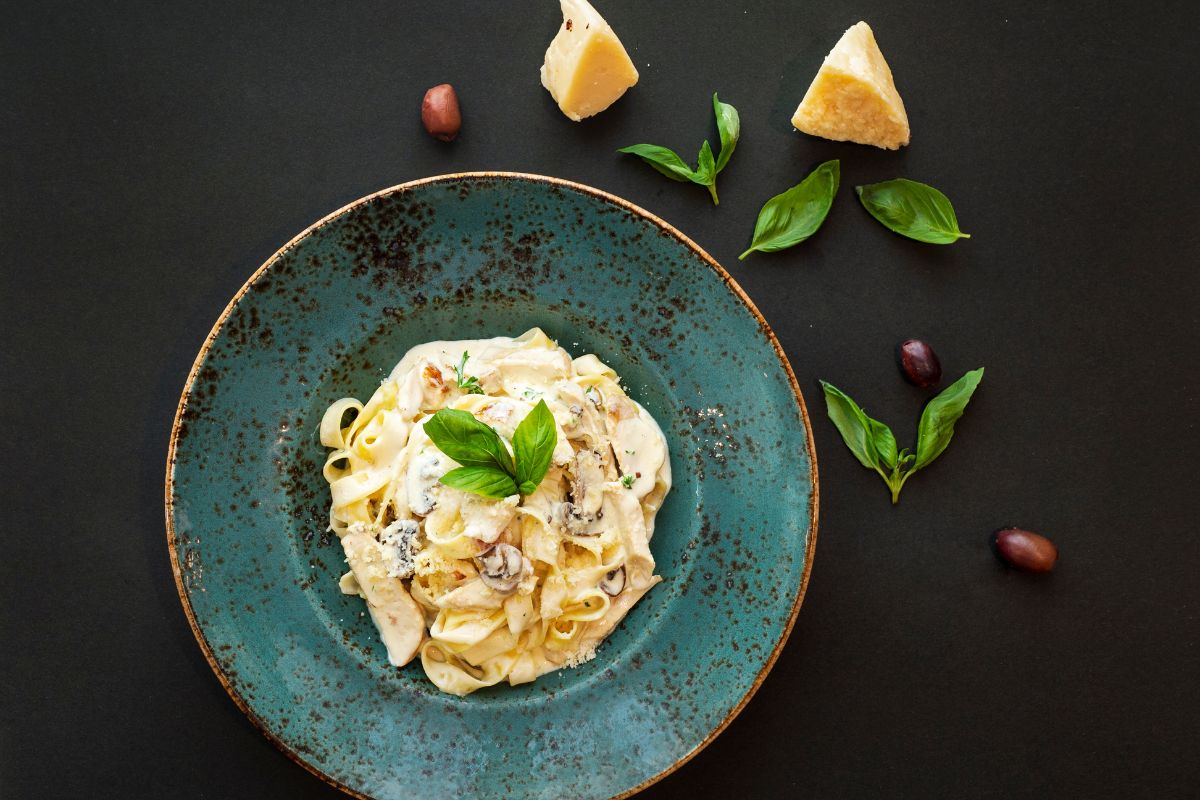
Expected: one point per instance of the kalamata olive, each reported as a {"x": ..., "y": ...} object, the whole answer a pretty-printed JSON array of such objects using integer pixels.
[
  {"x": 919, "y": 363},
  {"x": 440, "y": 113},
  {"x": 1025, "y": 550}
]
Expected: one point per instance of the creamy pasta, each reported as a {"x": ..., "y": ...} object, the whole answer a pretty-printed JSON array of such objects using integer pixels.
[{"x": 484, "y": 590}]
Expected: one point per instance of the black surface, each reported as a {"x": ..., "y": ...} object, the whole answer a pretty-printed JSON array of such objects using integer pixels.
[{"x": 154, "y": 154}]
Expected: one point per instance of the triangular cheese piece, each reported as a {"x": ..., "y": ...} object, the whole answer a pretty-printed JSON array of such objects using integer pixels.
[
  {"x": 586, "y": 68},
  {"x": 853, "y": 98}
]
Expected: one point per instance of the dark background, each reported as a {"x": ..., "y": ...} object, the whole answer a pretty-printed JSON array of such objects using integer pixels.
[{"x": 154, "y": 154}]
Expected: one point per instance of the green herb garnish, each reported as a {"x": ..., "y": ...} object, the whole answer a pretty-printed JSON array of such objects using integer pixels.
[
  {"x": 487, "y": 468},
  {"x": 469, "y": 384},
  {"x": 873, "y": 444},
  {"x": 533, "y": 445},
  {"x": 668, "y": 162},
  {"x": 627, "y": 481},
  {"x": 912, "y": 209},
  {"x": 789, "y": 218}
]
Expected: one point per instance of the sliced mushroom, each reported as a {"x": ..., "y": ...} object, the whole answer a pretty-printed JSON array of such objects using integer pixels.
[
  {"x": 568, "y": 518},
  {"x": 587, "y": 483},
  {"x": 585, "y": 495},
  {"x": 501, "y": 567},
  {"x": 614, "y": 582}
]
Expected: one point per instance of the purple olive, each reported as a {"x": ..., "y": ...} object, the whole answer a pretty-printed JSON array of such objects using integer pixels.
[
  {"x": 919, "y": 363},
  {"x": 1025, "y": 550}
]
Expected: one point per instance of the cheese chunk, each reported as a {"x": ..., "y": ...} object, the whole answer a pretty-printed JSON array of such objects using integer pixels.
[
  {"x": 853, "y": 98},
  {"x": 586, "y": 68}
]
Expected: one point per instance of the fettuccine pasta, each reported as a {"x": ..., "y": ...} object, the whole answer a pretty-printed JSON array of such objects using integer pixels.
[{"x": 483, "y": 590}]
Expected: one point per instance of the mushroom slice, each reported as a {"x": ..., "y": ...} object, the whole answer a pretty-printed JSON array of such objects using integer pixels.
[
  {"x": 613, "y": 583},
  {"x": 572, "y": 523},
  {"x": 587, "y": 484},
  {"x": 501, "y": 567},
  {"x": 585, "y": 496}
]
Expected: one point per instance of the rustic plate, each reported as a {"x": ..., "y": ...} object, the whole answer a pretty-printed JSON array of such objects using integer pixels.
[{"x": 465, "y": 256}]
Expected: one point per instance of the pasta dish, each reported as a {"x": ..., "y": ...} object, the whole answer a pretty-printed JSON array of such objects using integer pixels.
[{"x": 483, "y": 568}]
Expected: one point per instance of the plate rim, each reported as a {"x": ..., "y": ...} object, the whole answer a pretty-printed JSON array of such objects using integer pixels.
[{"x": 665, "y": 227}]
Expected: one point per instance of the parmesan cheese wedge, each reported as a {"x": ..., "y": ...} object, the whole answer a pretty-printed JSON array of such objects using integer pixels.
[
  {"x": 853, "y": 97},
  {"x": 586, "y": 68}
]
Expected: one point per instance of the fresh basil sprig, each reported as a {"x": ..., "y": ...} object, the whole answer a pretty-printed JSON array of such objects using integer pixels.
[
  {"x": 487, "y": 468},
  {"x": 469, "y": 384},
  {"x": 789, "y": 218},
  {"x": 912, "y": 209},
  {"x": 873, "y": 443},
  {"x": 668, "y": 162}
]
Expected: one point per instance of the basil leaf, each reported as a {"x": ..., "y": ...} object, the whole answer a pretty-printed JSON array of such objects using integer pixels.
[
  {"x": 706, "y": 171},
  {"x": 729, "y": 128},
  {"x": 789, "y": 218},
  {"x": 884, "y": 441},
  {"x": 468, "y": 441},
  {"x": 486, "y": 481},
  {"x": 854, "y": 426},
  {"x": 706, "y": 167},
  {"x": 533, "y": 445},
  {"x": 662, "y": 159},
  {"x": 912, "y": 209},
  {"x": 940, "y": 414}
]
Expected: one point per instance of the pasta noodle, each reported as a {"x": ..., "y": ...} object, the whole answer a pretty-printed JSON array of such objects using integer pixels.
[{"x": 574, "y": 554}]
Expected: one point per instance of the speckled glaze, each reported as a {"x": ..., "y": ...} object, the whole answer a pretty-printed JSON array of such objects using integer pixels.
[{"x": 466, "y": 256}]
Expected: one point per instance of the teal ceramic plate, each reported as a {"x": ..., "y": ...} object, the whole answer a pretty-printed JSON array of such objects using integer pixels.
[{"x": 471, "y": 256}]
